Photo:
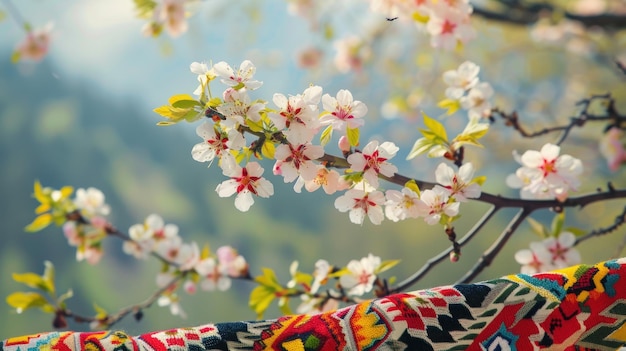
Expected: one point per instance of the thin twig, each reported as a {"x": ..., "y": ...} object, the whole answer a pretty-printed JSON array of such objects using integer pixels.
[
  {"x": 487, "y": 257},
  {"x": 435, "y": 260},
  {"x": 619, "y": 221}
]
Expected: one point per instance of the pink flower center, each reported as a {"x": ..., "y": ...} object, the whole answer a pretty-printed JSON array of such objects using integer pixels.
[
  {"x": 447, "y": 27},
  {"x": 246, "y": 182},
  {"x": 548, "y": 167},
  {"x": 373, "y": 161}
]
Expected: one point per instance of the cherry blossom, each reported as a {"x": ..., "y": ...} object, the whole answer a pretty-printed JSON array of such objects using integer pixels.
[
  {"x": 296, "y": 160},
  {"x": 459, "y": 185},
  {"x": 214, "y": 276},
  {"x": 352, "y": 52},
  {"x": 544, "y": 174},
  {"x": 245, "y": 181},
  {"x": 171, "y": 13},
  {"x": 329, "y": 179},
  {"x": 173, "y": 302},
  {"x": 612, "y": 148},
  {"x": 549, "y": 254},
  {"x": 562, "y": 250},
  {"x": 310, "y": 57},
  {"x": 534, "y": 260},
  {"x": 320, "y": 275},
  {"x": 361, "y": 275},
  {"x": 238, "y": 106},
  {"x": 234, "y": 264},
  {"x": 215, "y": 142},
  {"x": 35, "y": 45},
  {"x": 361, "y": 203},
  {"x": 477, "y": 100},
  {"x": 343, "y": 111},
  {"x": 91, "y": 202},
  {"x": 240, "y": 79},
  {"x": 372, "y": 161},
  {"x": 461, "y": 80},
  {"x": 449, "y": 25},
  {"x": 434, "y": 203},
  {"x": 205, "y": 74},
  {"x": 401, "y": 205},
  {"x": 298, "y": 114}
]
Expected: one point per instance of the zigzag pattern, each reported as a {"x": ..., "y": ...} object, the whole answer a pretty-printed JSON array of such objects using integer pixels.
[{"x": 575, "y": 309}]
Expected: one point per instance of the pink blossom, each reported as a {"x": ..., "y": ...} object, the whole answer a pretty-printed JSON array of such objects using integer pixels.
[
  {"x": 361, "y": 276},
  {"x": 459, "y": 186},
  {"x": 544, "y": 174},
  {"x": 245, "y": 182},
  {"x": 172, "y": 14},
  {"x": 35, "y": 45},
  {"x": 214, "y": 275},
  {"x": 215, "y": 142},
  {"x": 461, "y": 80},
  {"x": 448, "y": 26},
  {"x": 298, "y": 115},
  {"x": 352, "y": 52},
  {"x": 401, "y": 205},
  {"x": 372, "y": 161},
  {"x": 309, "y": 58},
  {"x": 330, "y": 180},
  {"x": 242, "y": 79},
  {"x": 361, "y": 203},
  {"x": 234, "y": 264},
  {"x": 297, "y": 160},
  {"x": 343, "y": 111},
  {"x": 612, "y": 148},
  {"x": 434, "y": 204}
]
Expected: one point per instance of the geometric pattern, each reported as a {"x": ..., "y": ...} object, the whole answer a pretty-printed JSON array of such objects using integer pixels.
[{"x": 574, "y": 309}]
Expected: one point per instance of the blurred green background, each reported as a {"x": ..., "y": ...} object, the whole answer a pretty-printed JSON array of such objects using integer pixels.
[{"x": 83, "y": 118}]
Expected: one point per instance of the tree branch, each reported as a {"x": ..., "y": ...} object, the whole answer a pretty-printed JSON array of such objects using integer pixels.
[{"x": 485, "y": 260}]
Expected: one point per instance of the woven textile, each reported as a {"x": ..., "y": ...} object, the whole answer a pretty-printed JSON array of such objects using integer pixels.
[{"x": 578, "y": 308}]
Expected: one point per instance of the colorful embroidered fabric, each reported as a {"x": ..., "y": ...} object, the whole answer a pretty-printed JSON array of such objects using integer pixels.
[{"x": 578, "y": 308}]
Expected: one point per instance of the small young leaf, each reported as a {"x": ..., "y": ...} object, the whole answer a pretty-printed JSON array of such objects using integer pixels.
[
  {"x": 538, "y": 228},
  {"x": 39, "y": 223},
  {"x": 24, "y": 300},
  {"x": 268, "y": 149},
  {"x": 435, "y": 128},
  {"x": 386, "y": 265},
  {"x": 260, "y": 299},
  {"x": 327, "y": 134},
  {"x": 450, "y": 105},
  {"x": 48, "y": 277},
  {"x": 411, "y": 184},
  {"x": 353, "y": 136},
  {"x": 557, "y": 223},
  {"x": 421, "y": 146}
]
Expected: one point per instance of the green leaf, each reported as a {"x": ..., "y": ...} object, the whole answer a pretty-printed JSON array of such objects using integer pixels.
[
  {"x": 15, "y": 57},
  {"x": 339, "y": 273},
  {"x": 412, "y": 184},
  {"x": 450, "y": 105},
  {"x": 268, "y": 149},
  {"x": 538, "y": 228},
  {"x": 557, "y": 223},
  {"x": 268, "y": 279},
  {"x": 31, "y": 280},
  {"x": 421, "y": 146},
  {"x": 255, "y": 126},
  {"x": 186, "y": 104},
  {"x": 353, "y": 136},
  {"x": 435, "y": 130},
  {"x": 22, "y": 301},
  {"x": 261, "y": 298},
  {"x": 3, "y": 15},
  {"x": 39, "y": 223},
  {"x": 67, "y": 295},
  {"x": 48, "y": 277},
  {"x": 327, "y": 134},
  {"x": 101, "y": 313},
  {"x": 386, "y": 265},
  {"x": 480, "y": 180}
]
